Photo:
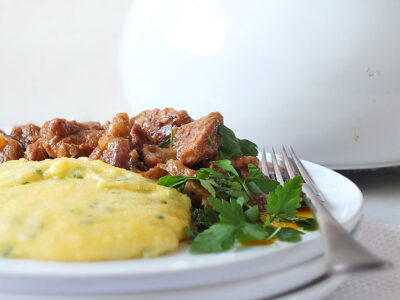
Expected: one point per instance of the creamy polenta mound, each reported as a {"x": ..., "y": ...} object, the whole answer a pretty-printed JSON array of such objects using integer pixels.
[{"x": 69, "y": 209}]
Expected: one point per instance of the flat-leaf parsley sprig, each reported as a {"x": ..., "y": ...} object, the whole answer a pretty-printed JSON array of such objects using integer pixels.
[{"x": 229, "y": 218}]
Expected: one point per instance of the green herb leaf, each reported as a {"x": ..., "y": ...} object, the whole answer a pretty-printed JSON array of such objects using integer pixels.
[
  {"x": 230, "y": 146},
  {"x": 257, "y": 181},
  {"x": 248, "y": 147},
  {"x": 219, "y": 237},
  {"x": 173, "y": 180},
  {"x": 287, "y": 234},
  {"x": 250, "y": 232},
  {"x": 205, "y": 173},
  {"x": 229, "y": 212},
  {"x": 205, "y": 217},
  {"x": 308, "y": 224},
  {"x": 190, "y": 234},
  {"x": 208, "y": 186},
  {"x": 225, "y": 164},
  {"x": 286, "y": 199},
  {"x": 252, "y": 214}
]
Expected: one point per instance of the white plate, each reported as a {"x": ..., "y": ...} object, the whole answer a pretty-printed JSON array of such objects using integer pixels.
[
  {"x": 251, "y": 288},
  {"x": 181, "y": 269}
]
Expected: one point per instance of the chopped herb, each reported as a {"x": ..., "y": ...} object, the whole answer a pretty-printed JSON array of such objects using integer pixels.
[
  {"x": 75, "y": 211},
  {"x": 7, "y": 251},
  {"x": 88, "y": 220},
  {"x": 26, "y": 182},
  {"x": 170, "y": 141},
  {"x": 40, "y": 172},
  {"x": 164, "y": 202},
  {"x": 230, "y": 146},
  {"x": 109, "y": 209},
  {"x": 161, "y": 217},
  {"x": 77, "y": 175},
  {"x": 210, "y": 141},
  {"x": 115, "y": 192},
  {"x": 164, "y": 144},
  {"x": 205, "y": 216}
]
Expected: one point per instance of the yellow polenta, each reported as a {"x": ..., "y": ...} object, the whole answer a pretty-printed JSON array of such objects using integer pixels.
[{"x": 84, "y": 210}]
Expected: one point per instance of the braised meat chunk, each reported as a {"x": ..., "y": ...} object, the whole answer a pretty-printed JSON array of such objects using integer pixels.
[
  {"x": 115, "y": 147},
  {"x": 198, "y": 140},
  {"x": 158, "y": 123},
  {"x": 176, "y": 167},
  {"x": 119, "y": 126},
  {"x": 241, "y": 164},
  {"x": 153, "y": 155},
  {"x": 10, "y": 149},
  {"x": 62, "y": 138},
  {"x": 26, "y": 134},
  {"x": 154, "y": 173},
  {"x": 197, "y": 194},
  {"x": 113, "y": 150},
  {"x": 35, "y": 151},
  {"x": 139, "y": 137}
]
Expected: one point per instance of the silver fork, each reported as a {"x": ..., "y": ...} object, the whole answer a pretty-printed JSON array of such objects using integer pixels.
[{"x": 343, "y": 254}]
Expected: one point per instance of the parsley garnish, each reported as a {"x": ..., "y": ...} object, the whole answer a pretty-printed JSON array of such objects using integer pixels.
[
  {"x": 230, "y": 146},
  {"x": 238, "y": 225},
  {"x": 229, "y": 218}
]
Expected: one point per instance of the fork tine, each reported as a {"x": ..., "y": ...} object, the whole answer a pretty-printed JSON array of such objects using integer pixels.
[
  {"x": 304, "y": 173},
  {"x": 307, "y": 178},
  {"x": 288, "y": 163},
  {"x": 264, "y": 164},
  {"x": 277, "y": 170}
]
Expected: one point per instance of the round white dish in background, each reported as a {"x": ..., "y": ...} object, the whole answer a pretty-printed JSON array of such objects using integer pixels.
[
  {"x": 322, "y": 76},
  {"x": 182, "y": 271}
]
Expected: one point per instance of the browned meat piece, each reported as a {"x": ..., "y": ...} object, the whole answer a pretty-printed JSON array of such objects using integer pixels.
[
  {"x": 158, "y": 123},
  {"x": 153, "y": 155},
  {"x": 192, "y": 140},
  {"x": 26, "y": 134},
  {"x": 154, "y": 173},
  {"x": 119, "y": 126},
  {"x": 240, "y": 163},
  {"x": 62, "y": 138},
  {"x": 197, "y": 193},
  {"x": 139, "y": 137},
  {"x": 35, "y": 151},
  {"x": 114, "y": 147},
  {"x": 176, "y": 167},
  {"x": 260, "y": 200},
  {"x": 113, "y": 150},
  {"x": 10, "y": 149}
]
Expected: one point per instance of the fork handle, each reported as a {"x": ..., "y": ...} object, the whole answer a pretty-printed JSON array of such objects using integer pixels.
[{"x": 343, "y": 254}]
